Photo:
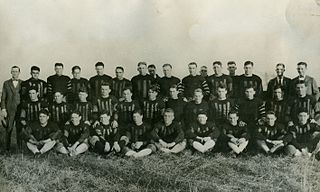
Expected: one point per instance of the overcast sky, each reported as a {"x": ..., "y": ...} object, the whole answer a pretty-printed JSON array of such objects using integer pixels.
[{"x": 119, "y": 32}]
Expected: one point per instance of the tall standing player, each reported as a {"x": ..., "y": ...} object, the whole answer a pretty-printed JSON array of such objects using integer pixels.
[
  {"x": 96, "y": 81},
  {"x": 10, "y": 101},
  {"x": 58, "y": 82},
  {"x": 77, "y": 82},
  {"x": 119, "y": 83},
  {"x": 167, "y": 80},
  {"x": 34, "y": 81},
  {"x": 249, "y": 79},
  {"x": 193, "y": 81},
  {"x": 141, "y": 82}
]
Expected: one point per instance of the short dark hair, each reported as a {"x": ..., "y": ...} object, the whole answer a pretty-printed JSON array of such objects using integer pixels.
[
  {"x": 193, "y": 63},
  {"x": 281, "y": 64},
  {"x": 175, "y": 86},
  {"x": 15, "y": 67},
  {"x": 301, "y": 82},
  {"x": 33, "y": 88},
  {"x": 35, "y": 68},
  {"x": 44, "y": 111},
  {"x": 75, "y": 67},
  {"x": 168, "y": 110},
  {"x": 76, "y": 112},
  {"x": 83, "y": 90},
  {"x": 202, "y": 112},
  {"x": 142, "y": 63},
  {"x": 217, "y": 63},
  {"x": 104, "y": 112},
  {"x": 231, "y": 63},
  {"x": 99, "y": 64},
  {"x": 278, "y": 87},
  {"x": 127, "y": 88},
  {"x": 302, "y": 110},
  {"x": 119, "y": 67},
  {"x": 105, "y": 84},
  {"x": 248, "y": 63},
  {"x": 233, "y": 112},
  {"x": 270, "y": 113},
  {"x": 152, "y": 66},
  {"x": 59, "y": 92},
  {"x": 303, "y": 63},
  {"x": 139, "y": 111},
  {"x": 154, "y": 88},
  {"x": 167, "y": 64},
  {"x": 58, "y": 65}
]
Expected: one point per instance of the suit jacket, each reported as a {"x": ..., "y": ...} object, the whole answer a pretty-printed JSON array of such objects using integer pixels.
[
  {"x": 312, "y": 88},
  {"x": 286, "y": 84},
  {"x": 10, "y": 98}
]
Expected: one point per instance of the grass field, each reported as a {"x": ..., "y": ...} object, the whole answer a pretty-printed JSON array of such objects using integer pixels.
[{"x": 159, "y": 172}]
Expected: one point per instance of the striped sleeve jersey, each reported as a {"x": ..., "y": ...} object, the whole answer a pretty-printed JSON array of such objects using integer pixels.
[
  {"x": 138, "y": 133},
  {"x": 190, "y": 83},
  {"x": 207, "y": 130},
  {"x": 73, "y": 133},
  {"x": 276, "y": 132},
  {"x": 236, "y": 131},
  {"x": 152, "y": 110},
  {"x": 107, "y": 133},
  {"x": 30, "y": 110},
  {"x": 250, "y": 110},
  {"x": 107, "y": 104},
  {"x": 141, "y": 85},
  {"x": 244, "y": 81},
  {"x": 124, "y": 111},
  {"x": 302, "y": 135},
  {"x": 41, "y": 86},
  {"x": 215, "y": 81},
  {"x": 219, "y": 109},
  {"x": 60, "y": 112},
  {"x": 118, "y": 86},
  {"x": 86, "y": 110},
  {"x": 95, "y": 84},
  {"x": 169, "y": 134}
]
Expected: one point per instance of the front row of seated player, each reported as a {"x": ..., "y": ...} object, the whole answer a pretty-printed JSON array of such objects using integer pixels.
[{"x": 140, "y": 139}]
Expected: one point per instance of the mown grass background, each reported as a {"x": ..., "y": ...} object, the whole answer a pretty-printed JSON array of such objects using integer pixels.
[{"x": 158, "y": 172}]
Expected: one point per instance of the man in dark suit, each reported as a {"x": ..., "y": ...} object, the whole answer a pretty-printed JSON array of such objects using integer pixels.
[
  {"x": 280, "y": 80},
  {"x": 312, "y": 87},
  {"x": 10, "y": 100}
]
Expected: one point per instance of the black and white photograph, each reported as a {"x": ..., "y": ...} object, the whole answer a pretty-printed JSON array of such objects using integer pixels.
[{"x": 159, "y": 95}]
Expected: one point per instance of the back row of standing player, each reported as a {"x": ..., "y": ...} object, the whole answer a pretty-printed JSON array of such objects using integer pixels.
[{"x": 218, "y": 97}]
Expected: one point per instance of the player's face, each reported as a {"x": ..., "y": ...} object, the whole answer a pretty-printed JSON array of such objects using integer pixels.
[
  {"x": 303, "y": 118},
  {"x": 58, "y": 70},
  {"x": 142, "y": 69},
  {"x": 152, "y": 71},
  {"x": 33, "y": 95},
  {"x": 127, "y": 95},
  {"x": 35, "y": 74},
  {"x": 137, "y": 118},
  {"x": 301, "y": 89},
  {"x": 217, "y": 69},
  {"x": 83, "y": 96},
  {"x": 15, "y": 72},
  {"x": 233, "y": 119},
  {"x": 75, "y": 119},
  {"x": 222, "y": 93},
  {"x": 232, "y": 68},
  {"x": 248, "y": 69},
  {"x": 280, "y": 70},
  {"x": 167, "y": 71},
  {"x": 173, "y": 93},
  {"x": 204, "y": 71},
  {"x": 43, "y": 118},
  {"x": 250, "y": 93},
  {"x": 105, "y": 119},
  {"x": 271, "y": 119},
  {"x": 58, "y": 97},
  {"x": 105, "y": 90},
  {"x": 152, "y": 94},
  {"x": 278, "y": 94},
  {"x": 193, "y": 69},
  {"x": 301, "y": 70},
  {"x": 198, "y": 96},
  {"x": 168, "y": 118},
  {"x": 100, "y": 70},
  {"x": 119, "y": 73},
  {"x": 76, "y": 73},
  {"x": 202, "y": 119}
]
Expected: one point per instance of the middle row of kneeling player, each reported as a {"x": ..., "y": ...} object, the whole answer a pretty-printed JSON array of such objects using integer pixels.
[{"x": 140, "y": 139}]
